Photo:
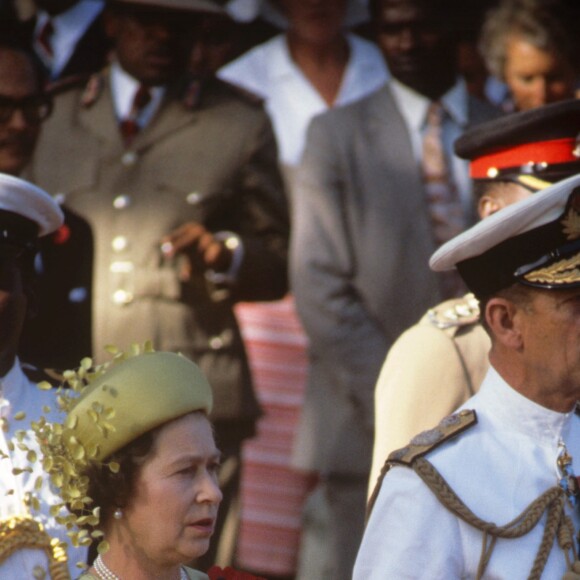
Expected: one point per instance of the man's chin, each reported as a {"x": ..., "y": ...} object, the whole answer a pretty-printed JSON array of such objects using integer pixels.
[
  {"x": 158, "y": 74},
  {"x": 13, "y": 164}
]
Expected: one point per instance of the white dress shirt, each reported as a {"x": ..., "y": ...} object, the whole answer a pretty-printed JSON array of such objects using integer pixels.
[
  {"x": 497, "y": 467},
  {"x": 123, "y": 89},
  {"x": 18, "y": 393},
  {"x": 413, "y": 107},
  {"x": 290, "y": 99},
  {"x": 69, "y": 27}
]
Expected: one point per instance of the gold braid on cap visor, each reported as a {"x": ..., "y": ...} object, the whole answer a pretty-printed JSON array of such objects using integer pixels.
[{"x": 563, "y": 271}]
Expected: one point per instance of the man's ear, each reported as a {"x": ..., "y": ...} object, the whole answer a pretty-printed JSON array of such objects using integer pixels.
[
  {"x": 488, "y": 205},
  {"x": 501, "y": 316}
]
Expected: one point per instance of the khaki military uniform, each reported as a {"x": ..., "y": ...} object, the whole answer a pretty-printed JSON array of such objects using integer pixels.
[
  {"x": 208, "y": 155},
  {"x": 432, "y": 369}
]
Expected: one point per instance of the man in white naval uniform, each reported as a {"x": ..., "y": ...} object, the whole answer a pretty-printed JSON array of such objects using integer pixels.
[
  {"x": 452, "y": 502},
  {"x": 26, "y": 213}
]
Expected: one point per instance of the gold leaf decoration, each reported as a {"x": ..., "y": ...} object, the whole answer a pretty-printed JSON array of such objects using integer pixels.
[
  {"x": 562, "y": 272},
  {"x": 571, "y": 224}
]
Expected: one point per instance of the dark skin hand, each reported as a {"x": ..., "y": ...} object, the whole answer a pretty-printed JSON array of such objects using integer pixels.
[{"x": 204, "y": 251}]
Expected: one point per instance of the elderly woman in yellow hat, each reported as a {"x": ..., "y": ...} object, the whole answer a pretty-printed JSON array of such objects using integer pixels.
[{"x": 136, "y": 464}]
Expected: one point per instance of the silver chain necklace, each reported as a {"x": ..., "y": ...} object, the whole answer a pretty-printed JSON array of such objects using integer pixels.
[{"x": 105, "y": 574}]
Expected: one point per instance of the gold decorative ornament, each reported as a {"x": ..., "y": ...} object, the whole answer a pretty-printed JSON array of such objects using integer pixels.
[
  {"x": 561, "y": 272},
  {"x": 571, "y": 224},
  {"x": 22, "y": 532}
]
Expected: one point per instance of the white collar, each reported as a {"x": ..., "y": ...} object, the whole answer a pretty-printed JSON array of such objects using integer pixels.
[
  {"x": 69, "y": 27},
  {"x": 413, "y": 105},
  {"x": 515, "y": 412},
  {"x": 280, "y": 63},
  {"x": 123, "y": 89},
  {"x": 73, "y": 21}
]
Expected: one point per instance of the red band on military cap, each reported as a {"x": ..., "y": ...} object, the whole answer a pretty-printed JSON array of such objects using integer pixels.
[{"x": 549, "y": 152}]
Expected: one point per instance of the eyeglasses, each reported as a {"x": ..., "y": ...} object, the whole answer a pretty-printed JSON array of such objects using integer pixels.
[{"x": 35, "y": 108}]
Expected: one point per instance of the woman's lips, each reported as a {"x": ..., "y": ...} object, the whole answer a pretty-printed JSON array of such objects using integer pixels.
[{"x": 204, "y": 525}]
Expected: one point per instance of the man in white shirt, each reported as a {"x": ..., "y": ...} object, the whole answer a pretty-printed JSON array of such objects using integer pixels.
[
  {"x": 455, "y": 501},
  {"x": 363, "y": 230},
  {"x": 440, "y": 362}
]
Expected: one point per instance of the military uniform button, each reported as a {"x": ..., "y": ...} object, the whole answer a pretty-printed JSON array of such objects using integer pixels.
[
  {"x": 119, "y": 243},
  {"x": 122, "y": 201},
  {"x": 121, "y": 267},
  {"x": 122, "y": 297},
  {"x": 129, "y": 158},
  {"x": 193, "y": 198}
]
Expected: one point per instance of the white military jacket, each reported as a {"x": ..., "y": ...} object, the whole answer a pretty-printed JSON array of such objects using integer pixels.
[
  {"x": 497, "y": 467},
  {"x": 19, "y": 394}
]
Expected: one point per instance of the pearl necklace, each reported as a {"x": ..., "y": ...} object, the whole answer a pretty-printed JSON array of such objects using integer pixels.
[{"x": 105, "y": 574}]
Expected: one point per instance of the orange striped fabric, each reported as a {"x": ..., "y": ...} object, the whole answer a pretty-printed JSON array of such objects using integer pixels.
[{"x": 272, "y": 492}]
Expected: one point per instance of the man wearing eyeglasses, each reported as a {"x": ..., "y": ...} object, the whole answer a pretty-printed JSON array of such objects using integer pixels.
[
  {"x": 58, "y": 336},
  {"x": 22, "y": 109}
]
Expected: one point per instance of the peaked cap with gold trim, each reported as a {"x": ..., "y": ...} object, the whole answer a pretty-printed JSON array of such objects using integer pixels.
[
  {"x": 535, "y": 242},
  {"x": 530, "y": 147}
]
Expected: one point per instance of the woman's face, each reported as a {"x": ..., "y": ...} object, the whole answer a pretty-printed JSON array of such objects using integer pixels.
[
  {"x": 172, "y": 513},
  {"x": 317, "y": 21},
  {"x": 536, "y": 77}
]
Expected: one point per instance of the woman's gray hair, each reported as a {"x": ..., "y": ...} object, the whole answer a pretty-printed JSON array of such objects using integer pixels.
[{"x": 545, "y": 24}]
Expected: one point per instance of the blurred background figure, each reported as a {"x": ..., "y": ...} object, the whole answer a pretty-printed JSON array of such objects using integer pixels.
[
  {"x": 377, "y": 189},
  {"x": 315, "y": 64},
  {"x": 532, "y": 46},
  {"x": 222, "y": 38},
  {"x": 470, "y": 62}
]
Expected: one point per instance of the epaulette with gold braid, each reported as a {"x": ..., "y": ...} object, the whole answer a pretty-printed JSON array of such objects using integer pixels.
[
  {"x": 428, "y": 440},
  {"x": 422, "y": 444},
  {"x": 456, "y": 312}
]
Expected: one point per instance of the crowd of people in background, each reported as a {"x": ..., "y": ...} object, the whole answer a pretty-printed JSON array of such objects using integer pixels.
[{"x": 259, "y": 185}]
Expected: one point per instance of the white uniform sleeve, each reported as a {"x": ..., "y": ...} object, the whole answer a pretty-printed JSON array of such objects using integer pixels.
[{"x": 410, "y": 534}]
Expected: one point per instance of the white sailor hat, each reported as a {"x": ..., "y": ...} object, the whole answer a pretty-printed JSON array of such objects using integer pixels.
[
  {"x": 535, "y": 242},
  {"x": 26, "y": 212}
]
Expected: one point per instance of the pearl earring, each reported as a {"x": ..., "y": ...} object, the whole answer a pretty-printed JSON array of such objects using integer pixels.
[{"x": 118, "y": 514}]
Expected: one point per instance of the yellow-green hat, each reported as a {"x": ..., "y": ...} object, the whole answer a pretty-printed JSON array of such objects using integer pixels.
[{"x": 134, "y": 396}]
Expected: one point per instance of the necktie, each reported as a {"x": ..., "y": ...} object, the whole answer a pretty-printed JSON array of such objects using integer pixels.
[
  {"x": 44, "y": 41},
  {"x": 444, "y": 205},
  {"x": 129, "y": 126}
]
